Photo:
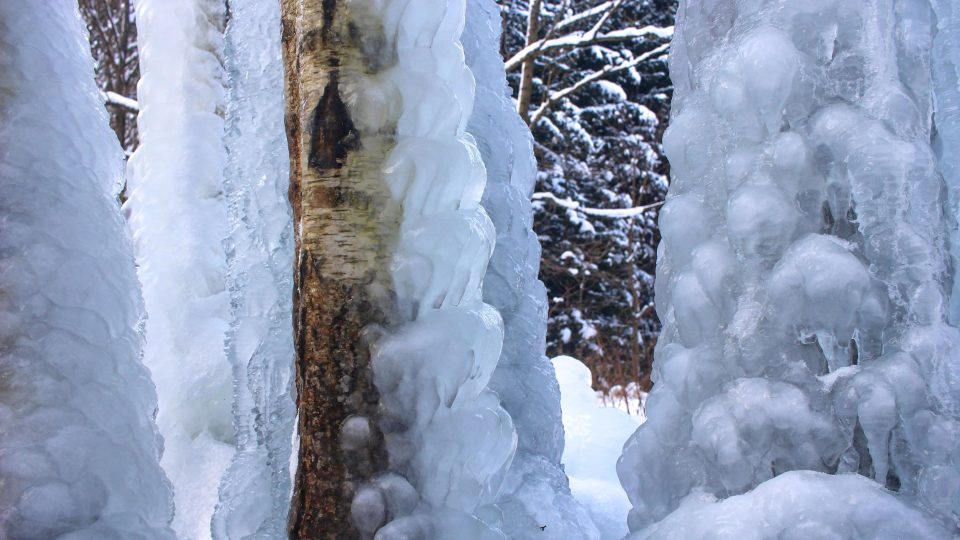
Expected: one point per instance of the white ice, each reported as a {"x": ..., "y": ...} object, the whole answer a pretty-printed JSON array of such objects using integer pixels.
[
  {"x": 79, "y": 451},
  {"x": 804, "y": 278},
  {"x": 179, "y": 219}
]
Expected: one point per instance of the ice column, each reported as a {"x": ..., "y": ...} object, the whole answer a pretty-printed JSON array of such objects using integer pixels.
[
  {"x": 445, "y": 431},
  {"x": 255, "y": 493},
  {"x": 79, "y": 449},
  {"x": 178, "y": 215},
  {"x": 801, "y": 282},
  {"x": 536, "y": 491}
]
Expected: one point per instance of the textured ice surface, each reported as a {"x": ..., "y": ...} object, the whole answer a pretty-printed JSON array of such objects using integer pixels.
[
  {"x": 798, "y": 505},
  {"x": 594, "y": 439},
  {"x": 449, "y": 441},
  {"x": 803, "y": 278},
  {"x": 178, "y": 216},
  {"x": 536, "y": 491},
  {"x": 945, "y": 64},
  {"x": 255, "y": 493},
  {"x": 79, "y": 450}
]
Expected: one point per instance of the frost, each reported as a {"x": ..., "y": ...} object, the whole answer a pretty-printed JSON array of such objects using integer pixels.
[
  {"x": 802, "y": 280},
  {"x": 178, "y": 216},
  {"x": 79, "y": 450}
]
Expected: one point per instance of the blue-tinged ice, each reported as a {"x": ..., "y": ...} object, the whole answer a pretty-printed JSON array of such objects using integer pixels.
[
  {"x": 255, "y": 491},
  {"x": 807, "y": 381},
  {"x": 79, "y": 450}
]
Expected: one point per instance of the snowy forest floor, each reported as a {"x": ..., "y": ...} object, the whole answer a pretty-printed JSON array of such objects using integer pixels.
[{"x": 595, "y": 429}]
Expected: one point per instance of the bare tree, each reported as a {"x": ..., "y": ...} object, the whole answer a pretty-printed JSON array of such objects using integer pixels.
[{"x": 113, "y": 40}]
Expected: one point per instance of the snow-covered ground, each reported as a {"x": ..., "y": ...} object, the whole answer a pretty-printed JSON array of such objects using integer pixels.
[{"x": 594, "y": 438}]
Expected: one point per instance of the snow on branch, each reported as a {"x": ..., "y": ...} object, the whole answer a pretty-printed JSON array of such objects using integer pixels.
[
  {"x": 603, "y": 19},
  {"x": 577, "y": 17},
  {"x": 583, "y": 39},
  {"x": 113, "y": 98},
  {"x": 593, "y": 77},
  {"x": 600, "y": 212}
]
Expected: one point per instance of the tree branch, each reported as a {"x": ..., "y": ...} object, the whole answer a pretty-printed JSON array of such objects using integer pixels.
[
  {"x": 595, "y": 76},
  {"x": 113, "y": 98},
  {"x": 581, "y": 39},
  {"x": 599, "y": 212}
]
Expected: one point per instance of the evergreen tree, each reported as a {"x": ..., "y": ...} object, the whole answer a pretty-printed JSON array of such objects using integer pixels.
[{"x": 599, "y": 98}]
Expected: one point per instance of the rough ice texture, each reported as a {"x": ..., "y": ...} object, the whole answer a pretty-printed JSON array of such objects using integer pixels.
[
  {"x": 594, "y": 438},
  {"x": 449, "y": 441},
  {"x": 945, "y": 64},
  {"x": 178, "y": 216},
  {"x": 536, "y": 491},
  {"x": 798, "y": 505},
  {"x": 255, "y": 492},
  {"x": 804, "y": 278},
  {"x": 79, "y": 449}
]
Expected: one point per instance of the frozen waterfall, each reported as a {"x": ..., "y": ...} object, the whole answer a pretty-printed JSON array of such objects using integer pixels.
[{"x": 807, "y": 382}]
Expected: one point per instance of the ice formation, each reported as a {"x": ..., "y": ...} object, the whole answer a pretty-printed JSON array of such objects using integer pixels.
[
  {"x": 408, "y": 94},
  {"x": 179, "y": 219},
  {"x": 804, "y": 278},
  {"x": 255, "y": 492},
  {"x": 454, "y": 440},
  {"x": 535, "y": 491},
  {"x": 945, "y": 66},
  {"x": 594, "y": 438},
  {"x": 79, "y": 450}
]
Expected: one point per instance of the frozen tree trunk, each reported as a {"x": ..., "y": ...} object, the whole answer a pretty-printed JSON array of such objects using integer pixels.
[
  {"x": 79, "y": 451},
  {"x": 399, "y": 434},
  {"x": 179, "y": 219},
  {"x": 804, "y": 279},
  {"x": 340, "y": 248}
]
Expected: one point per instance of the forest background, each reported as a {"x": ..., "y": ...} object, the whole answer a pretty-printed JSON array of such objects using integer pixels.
[{"x": 590, "y": 78}]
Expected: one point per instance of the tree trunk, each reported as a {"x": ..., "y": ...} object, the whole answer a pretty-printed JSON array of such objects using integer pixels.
[
  {"x": 341, "y": 247},
  {"x": 526, "y": 74}
]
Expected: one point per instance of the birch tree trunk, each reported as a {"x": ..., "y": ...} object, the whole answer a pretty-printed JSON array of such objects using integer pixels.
[{"x": 340, "y": 219}]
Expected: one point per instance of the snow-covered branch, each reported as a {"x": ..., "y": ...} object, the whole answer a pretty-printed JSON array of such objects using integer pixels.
[
  {"x": 603, "y": 19},
  {"x": 593, "y": 77},
  {"x": 600, "y": 212},
  {"x": 583, "y": 39},
  {"x": 577, "y": 17},
  {"x": 113, "y": 98}
]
